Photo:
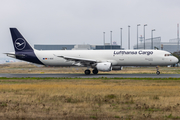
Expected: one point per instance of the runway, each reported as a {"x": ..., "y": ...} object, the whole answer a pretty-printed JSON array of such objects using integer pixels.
[{"x": 91, "y": 76}]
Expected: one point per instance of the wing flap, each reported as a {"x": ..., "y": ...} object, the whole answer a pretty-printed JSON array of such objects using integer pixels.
[{"x": 78, "y": 59}]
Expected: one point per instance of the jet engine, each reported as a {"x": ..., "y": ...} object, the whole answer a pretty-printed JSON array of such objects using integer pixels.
[
  {"x": 117, "y": 67},
  {"x": 105, "y": 66}
]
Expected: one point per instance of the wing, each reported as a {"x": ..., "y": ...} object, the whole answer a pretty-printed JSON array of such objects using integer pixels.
[{"x": 79, "y": 61}]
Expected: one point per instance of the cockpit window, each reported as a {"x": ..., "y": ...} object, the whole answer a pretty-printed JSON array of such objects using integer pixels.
[{"x": 168, "y": 55}]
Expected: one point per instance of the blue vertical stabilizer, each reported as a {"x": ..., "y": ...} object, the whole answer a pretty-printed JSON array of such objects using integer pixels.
[{"x": 23, "y": 50}]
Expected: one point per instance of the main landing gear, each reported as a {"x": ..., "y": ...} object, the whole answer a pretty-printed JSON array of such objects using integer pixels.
[
  {"x": 95, "y": 71},
  {"x": 88, "y": 72},
  {"x": 157, "y": 68}
]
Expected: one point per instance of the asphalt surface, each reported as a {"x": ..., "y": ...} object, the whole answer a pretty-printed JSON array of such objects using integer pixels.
[{"x": 92, "y": 76}]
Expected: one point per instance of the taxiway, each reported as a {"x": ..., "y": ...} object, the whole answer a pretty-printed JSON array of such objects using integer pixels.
[{"x": 92, "y": 76}]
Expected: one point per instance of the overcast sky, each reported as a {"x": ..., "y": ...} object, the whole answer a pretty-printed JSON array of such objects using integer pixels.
[{"x": 84, "y": 21}]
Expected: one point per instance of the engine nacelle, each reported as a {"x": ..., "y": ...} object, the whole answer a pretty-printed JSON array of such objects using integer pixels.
[
  {"x": 105, "y": 66},
  {"x": 117, "y": 67}
]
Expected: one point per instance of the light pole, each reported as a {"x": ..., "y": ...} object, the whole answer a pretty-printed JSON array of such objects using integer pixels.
[
  {"x": 178, "y": 35},
  {"x": 121, "y": 38},
  {"x": 111, "y": 38},
  {"x": 144, "y": 35},
  {"x": 104, "y": 39},
  {"x": 128, "y": 36},
  {"x": 152, "y": 38},
  {"x": 137, "y": 34}
]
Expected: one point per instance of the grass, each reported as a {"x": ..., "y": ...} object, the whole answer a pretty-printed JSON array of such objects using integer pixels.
[
  {"x": 88, "y": 98},
  {"x": 100, "y": 98}
]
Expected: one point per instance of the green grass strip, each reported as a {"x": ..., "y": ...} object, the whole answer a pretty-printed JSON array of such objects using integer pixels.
[{"x": 102, "y": 78}]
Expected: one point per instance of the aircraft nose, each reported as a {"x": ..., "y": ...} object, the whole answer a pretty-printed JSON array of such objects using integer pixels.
[{"x": 175, "y": 60}]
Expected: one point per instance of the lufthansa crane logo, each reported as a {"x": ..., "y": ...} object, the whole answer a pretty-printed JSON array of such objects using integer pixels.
[{"x": 20, "y": 44}]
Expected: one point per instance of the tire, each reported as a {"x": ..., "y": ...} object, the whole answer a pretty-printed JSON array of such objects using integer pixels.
[
  {"x": 95, "y": 71},
  {"x": 87, "y": 72},
  {"x": 158, "y": 73}
]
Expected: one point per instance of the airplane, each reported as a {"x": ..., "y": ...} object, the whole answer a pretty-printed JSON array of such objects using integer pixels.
[{"x": 98, "y": 60}]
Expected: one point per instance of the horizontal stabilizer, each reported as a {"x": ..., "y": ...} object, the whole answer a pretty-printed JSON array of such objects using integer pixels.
[{"x": 14, "y": 55}]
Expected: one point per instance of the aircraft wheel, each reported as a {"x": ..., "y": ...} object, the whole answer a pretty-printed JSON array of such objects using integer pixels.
[
  {"x": 95, "y": 71},
  {"x": 87, "y": 72},
  {"x": 158, "y": 73}
]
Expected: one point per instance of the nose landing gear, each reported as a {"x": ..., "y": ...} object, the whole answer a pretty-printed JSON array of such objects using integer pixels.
[{"x": 157, "y": 68}]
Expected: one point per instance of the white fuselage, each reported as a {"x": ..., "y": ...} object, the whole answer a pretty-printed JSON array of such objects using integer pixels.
[{"x": 116, "y": 57}]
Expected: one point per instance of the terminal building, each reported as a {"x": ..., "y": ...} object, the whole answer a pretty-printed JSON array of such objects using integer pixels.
[
  {"x": 107, "y": 46},
  {"x": 171, "y": 46},
  {"x": 156, "y": 43},
  {"x": 53, "y": 47}
]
